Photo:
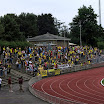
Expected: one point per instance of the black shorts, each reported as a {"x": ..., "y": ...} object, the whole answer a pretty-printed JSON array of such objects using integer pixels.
[{"x": 0, "y": 85}]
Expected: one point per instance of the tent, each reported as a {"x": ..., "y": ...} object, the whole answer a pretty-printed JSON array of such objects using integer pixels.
[{"x": 72, "y": 44}]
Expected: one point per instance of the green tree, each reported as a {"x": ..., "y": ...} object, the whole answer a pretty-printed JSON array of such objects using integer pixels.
[
  {"x": 87, "y": 19},
  {"x": 11, "y": 28},
  {"x": 46, "y": 24},
  {"x": 1, "y": 30},
  {"x": 28, "y": 24}
]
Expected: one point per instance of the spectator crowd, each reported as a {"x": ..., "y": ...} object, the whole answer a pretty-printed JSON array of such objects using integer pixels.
[{"x": 32, "y": 59}]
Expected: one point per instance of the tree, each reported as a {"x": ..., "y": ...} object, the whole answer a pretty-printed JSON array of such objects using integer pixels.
[
  {"x": 28, "y": 24},
  {"x": 18, "y": 28},
  {"x": 1, "y": 30},
  {"x": 11, "y": 28},
  {"x": 46, "y": 24},
  {"x": 89, "y": 27}
]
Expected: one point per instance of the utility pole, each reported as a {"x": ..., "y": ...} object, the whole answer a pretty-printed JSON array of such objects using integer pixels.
[
  {"x": 64, "y": 34},
  {"x": 80, "y": 33},
  {"x": 99, "y": 12},
  {"x": 63, "y": 28}
]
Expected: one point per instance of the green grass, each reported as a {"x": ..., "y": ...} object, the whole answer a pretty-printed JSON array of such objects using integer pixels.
[{"x": 103, "y": 81}]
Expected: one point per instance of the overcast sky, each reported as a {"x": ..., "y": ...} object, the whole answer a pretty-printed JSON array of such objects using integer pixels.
[{"x": 63, "y": 10}]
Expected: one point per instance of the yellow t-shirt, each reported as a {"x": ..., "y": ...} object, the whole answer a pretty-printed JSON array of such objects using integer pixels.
[
  {"x": 44, "y": 57},
  {"x": 10, "y": 50},
  {"x": 19, "y": 53},
  {"x": 3, "y": 49},
  {"x": 81, "y": 64},
  {"x": 31, "y": 56},
  {"x": 69, "y": 60},
  {"x": 15, "y": 50}
]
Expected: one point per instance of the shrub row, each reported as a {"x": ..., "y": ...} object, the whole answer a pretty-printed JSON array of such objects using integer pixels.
[{"x": 14, "y": 44}]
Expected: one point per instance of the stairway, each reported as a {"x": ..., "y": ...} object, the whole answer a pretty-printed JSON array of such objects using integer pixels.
[{"x": 14, "y": 76}]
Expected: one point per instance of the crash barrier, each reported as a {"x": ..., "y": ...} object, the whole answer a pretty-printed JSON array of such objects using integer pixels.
[
  {"x": 98, "y": 62},
  {"x": 75, "y": 68},
  {"x": 62, "y": 69}
]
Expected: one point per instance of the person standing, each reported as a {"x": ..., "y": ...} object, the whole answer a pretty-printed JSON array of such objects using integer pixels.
[
  {"x": 10, "y": 84},
  {"x": 0, "y": 83},
  {"x": 20, "y": 83}
]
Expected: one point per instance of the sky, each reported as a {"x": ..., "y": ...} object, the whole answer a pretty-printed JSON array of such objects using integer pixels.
[{"x": 63, "y": 10}]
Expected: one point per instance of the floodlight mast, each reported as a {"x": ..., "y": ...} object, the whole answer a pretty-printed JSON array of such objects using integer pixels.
[{"x": 99, "y": 12}]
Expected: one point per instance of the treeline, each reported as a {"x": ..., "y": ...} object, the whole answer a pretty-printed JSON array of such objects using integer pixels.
[
  {"x": 14, "y": 29},
  {"x": 86, "y": 25},
  {"x": 18, "y": 27}
]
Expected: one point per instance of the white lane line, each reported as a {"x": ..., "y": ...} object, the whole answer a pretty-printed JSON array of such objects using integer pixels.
[
  {"x": 82, "y": 94},
  {"x": 92, "y": 89},
  {"x": 63, "y": 91},
  {"x": 99, "y": 83},
  {"x": 88, "y": 90}
]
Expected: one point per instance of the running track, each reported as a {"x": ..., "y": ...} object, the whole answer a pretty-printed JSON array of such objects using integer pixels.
[{"x": 83, "y": 86}]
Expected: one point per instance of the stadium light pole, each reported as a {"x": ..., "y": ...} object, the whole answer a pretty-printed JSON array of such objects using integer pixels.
[{"x": 99, "y": 12}]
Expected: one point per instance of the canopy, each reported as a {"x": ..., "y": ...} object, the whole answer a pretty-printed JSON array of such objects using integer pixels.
[{"x": 72, "y": 44}]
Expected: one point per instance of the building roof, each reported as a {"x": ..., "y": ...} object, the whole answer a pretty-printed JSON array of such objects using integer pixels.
[{"x": 46, "y": 37}]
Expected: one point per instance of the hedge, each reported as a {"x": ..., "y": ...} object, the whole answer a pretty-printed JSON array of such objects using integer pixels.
[{"x": 15, "y": 44}]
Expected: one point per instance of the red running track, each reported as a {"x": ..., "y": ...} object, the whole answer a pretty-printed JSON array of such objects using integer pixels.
[{"x": 83, "y": 86}]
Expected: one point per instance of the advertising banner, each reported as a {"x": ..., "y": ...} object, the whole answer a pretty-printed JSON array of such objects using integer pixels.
[
  {"x": 57, "y": 71},
  {"x": 43, "y": 73}
]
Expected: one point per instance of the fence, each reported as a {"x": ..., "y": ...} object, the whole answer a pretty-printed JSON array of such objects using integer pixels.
[{"x": 97, "y": 62}]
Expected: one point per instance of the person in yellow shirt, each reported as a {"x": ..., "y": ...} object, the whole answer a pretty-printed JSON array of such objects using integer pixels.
[
  {"x": 19, "y": 54},
  {"x": 89, "y": 62},
  {"x": 31, "y": 55},
  {"x": 54, "y": 57},
  {"x": 41, "y": 54},
  {"x": 81, "y": 64},
  {"x": 52, "y": 61},
  {"x": 44, "y": 57},
  {"x": 72, "y": 63},
  {"x": 40, "y": 60},
  {"x": 15, "y": 52},
  {"x": 11, "y": 50},
  {"x": 4, "y": 48},
  {"x": 0, "y": 62}
]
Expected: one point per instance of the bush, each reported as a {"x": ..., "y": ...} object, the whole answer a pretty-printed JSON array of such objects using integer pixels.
[
  {"x": 100, "y": 45},
  {"x": 13, "y": 44}
]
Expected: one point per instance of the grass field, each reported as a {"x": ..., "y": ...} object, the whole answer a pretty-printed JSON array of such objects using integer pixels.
[{"x": 102, "y": 82}]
